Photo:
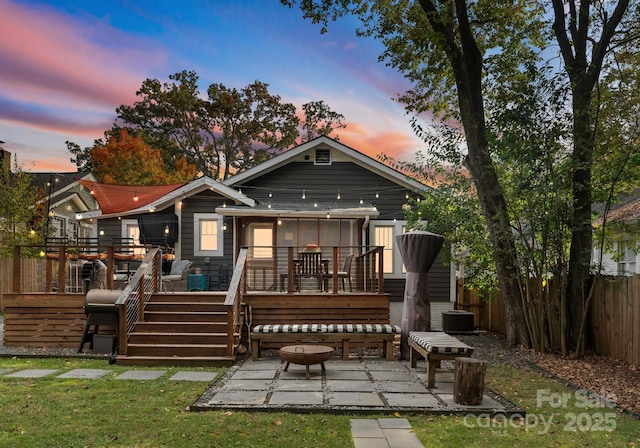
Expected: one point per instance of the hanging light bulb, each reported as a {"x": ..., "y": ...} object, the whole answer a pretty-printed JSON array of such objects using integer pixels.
[
  {"x": 406, "y": 196},
  {"x": 328, "y": 215},
  {"x": 361, "y": 201},
  {"x": 304, "y": 194},
  {"x": 269, "y": 205},
  {"x": 224, "y": 204},
  {"x": 377, "y": 195},
  {"x": 315, "y": 204},
  {"x": 279, "y": 221},
  {"x": 224, "y": 226},
  {"x": 135, "y": 196},
  {"x": 166, "y": 230},
  {"x": 101, "y": 232},
  {"x": 338, "y": 197},
  {"x": 270, "y": 195}
]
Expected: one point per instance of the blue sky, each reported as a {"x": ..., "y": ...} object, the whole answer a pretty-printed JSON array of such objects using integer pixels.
[{"x": 67, "y": 65}]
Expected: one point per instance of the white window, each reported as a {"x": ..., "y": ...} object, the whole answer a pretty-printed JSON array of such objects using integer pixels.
[
  {"x": 383, "y": 233},
  {"x": 628, "y": 255},
  {"x": 208, "y": 235}
]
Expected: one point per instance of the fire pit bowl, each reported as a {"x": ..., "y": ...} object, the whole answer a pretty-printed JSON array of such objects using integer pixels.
[{"x": 305, "y": 355}]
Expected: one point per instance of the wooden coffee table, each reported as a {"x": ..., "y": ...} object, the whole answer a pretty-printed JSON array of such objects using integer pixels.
[{"x": 305, "y": 355}]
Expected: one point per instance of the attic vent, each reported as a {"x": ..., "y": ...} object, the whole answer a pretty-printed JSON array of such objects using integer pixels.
[{"x": 323, "y": 156}]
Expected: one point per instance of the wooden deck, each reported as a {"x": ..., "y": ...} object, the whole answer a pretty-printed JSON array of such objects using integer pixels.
[{"x": 50, "y": 319}]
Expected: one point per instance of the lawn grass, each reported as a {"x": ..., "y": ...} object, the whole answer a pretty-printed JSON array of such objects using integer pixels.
[{"x": 105, "y": 412}]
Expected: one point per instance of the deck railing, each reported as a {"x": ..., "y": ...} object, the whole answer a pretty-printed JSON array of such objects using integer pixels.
[
  {"x": 61, "y": 267},
  {"x": 278, "y": 269},
  {"x": 233, "y": 301},
  {"x": 135, "y": 296}
]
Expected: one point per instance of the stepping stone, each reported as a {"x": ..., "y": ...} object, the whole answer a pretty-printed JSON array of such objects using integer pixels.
[
  {"x": 356, "y": 399},
  {"x": 296, "y": 398},
  {"x": 85, "y": 373},
  {"x": 350, "y": 386},
  {"x": 238, "y": 398},
  {"x": 141, "y": 375},
  {"x": 32, "y": 373},
  {"x": 3, "y": 371},
  {"x": 193, "y": 376},
  {"x": 412, "y": 400}
]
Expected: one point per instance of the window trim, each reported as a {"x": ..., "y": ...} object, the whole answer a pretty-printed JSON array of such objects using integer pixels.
[
  {"x": 398, "y": 228},
  {"x": 197, "y": 218}
]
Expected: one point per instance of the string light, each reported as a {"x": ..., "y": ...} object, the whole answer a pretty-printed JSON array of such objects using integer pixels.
[
  {"x": 166, "y": 230},
  {"x": 224, "y": 226},
  {"x": 377, "y": 195},
  {"x": 101, "y": 232},
  {"x": 135, "y": 196},
  {"x": 270, "y": 194},
  {"x": 361, "y": 201},
  {"x": 279, "y": 221},
  {"x": 304, "y": 194},
  {"x": 328, "y": 215},
  {"x": 338, "y": 195},
  {"x": 224, "y": 204}
]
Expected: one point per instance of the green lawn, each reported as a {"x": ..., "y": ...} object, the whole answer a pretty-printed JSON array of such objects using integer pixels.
[{"x": 53, "y": 412}]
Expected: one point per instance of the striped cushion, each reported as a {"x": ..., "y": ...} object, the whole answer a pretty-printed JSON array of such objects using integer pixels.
[
  {"x": 363, "y": 328},
  {"x": 439, "y": 342},
  {"x": 291, "y": 328}
]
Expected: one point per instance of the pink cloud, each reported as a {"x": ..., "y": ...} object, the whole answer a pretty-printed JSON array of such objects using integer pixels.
[
  {"x": 397, "y": 145},
  {"x": 50, "y": 58}
]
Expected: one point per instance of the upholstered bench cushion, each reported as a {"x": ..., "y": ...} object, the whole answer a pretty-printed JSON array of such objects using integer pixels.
[
  {"x": 291, "y": 328},
  {"x": 363, "y": 328},
  {"x": 439, "y": 342}
]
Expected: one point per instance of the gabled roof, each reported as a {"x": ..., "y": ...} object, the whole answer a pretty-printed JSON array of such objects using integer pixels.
[
  {"x": 118, "y": 200},
  {"x": 347, "y": 152},
  {"x": 626, "y": 211},
  {"x": 60, "y": 188}
]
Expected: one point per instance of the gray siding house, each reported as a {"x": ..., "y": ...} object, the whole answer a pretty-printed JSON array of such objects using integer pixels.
[{"x": 322, "y": 194}]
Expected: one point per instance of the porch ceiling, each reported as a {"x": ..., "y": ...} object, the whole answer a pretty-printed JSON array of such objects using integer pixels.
[{"x": 307, "y": 209}]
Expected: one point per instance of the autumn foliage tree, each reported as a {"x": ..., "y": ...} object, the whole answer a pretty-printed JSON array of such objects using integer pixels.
[{"x": 128, "y": 160}]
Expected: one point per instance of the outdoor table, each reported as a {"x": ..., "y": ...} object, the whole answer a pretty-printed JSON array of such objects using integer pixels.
[{"x": 305, "y": 355}]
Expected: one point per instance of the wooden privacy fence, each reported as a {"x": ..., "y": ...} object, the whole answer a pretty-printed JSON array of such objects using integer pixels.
[
  {"x": 615, "y": 318},
  {"x": 614, "y": 328}
]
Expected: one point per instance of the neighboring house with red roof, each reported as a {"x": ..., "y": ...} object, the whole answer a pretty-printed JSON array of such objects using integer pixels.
[{"x": 622, "y": 250}]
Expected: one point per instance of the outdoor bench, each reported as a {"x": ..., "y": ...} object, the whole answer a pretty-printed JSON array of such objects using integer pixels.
[
  {"x": 435, "y": 346},
  {"x": 342, "y": 333}
]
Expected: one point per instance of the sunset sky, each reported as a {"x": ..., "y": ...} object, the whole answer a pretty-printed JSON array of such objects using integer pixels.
[{"x": 66, "y": 65}]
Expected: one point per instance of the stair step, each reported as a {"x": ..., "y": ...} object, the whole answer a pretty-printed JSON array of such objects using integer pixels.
[
  {"x": 186, "y": 306},
  {"x": 176, "y": 316},
  {"x": 169, "y": 361},
  {"x": 177, "y": 350},
  {"x": 209, "y": 297},
  {"x": 152, "y": 338},
  {"x": 181, "y": 327}
]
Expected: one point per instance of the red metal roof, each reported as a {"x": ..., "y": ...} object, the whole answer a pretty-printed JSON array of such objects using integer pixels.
[{"x": 122, "y": 198}]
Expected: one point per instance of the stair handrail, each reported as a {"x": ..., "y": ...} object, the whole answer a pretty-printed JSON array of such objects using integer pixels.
[
  {"x": 233, "y": 300},
  {"x": 136, "y": 294}
]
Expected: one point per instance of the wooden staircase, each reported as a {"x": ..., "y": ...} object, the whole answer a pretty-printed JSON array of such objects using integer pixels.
[{"x": 181, "y": 329}]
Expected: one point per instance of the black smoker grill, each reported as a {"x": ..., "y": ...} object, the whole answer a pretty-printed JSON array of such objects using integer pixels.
[{"x": 100, "y": 309}]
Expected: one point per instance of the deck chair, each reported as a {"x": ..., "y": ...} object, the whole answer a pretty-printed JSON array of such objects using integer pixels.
[
  {"x": 345, "y": 273},
  {"x": 178, "y": 269},
  {"x": 310, "y": 265}
]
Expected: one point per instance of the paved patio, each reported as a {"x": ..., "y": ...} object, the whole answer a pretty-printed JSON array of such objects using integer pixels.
[{"x": 362, "y": 385}]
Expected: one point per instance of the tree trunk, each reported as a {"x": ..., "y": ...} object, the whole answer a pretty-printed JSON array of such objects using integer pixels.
[
  {"x": 581, "y": 233},
  {"x": 466, "y": 61}
]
